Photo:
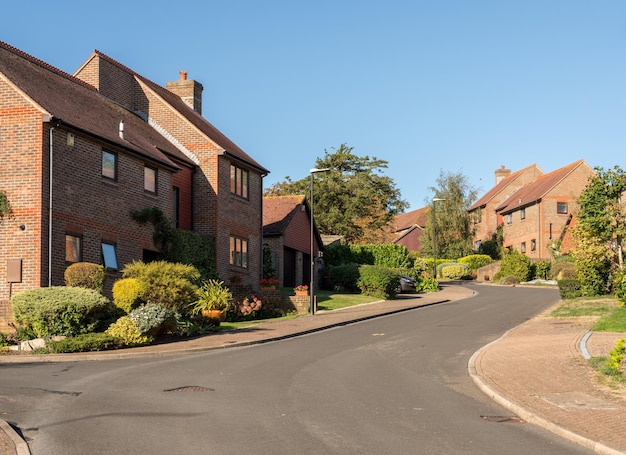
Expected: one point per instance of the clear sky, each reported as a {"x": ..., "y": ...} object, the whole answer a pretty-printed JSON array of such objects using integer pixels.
[{"x": 455, "y": 85}]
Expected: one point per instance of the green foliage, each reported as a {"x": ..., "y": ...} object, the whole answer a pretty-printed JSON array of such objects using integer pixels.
[
  {"x": 509, "y": 280},
  {"x": 162, "y": 236},
  {"x": 475, "y": 261},
  {"x": 153, "y": 319},
  {"x": 428, "y": 285},
  {"x": 454, "y": 272},
  {"x": 59, "y": 310},
  {"x": 268, "y": 268},
  {"x": 616, "y": 357},
  {"x": 212, "y": 295},
  {"x": 420, "y": 265},
  {"x": 619, "y": 286},
  {"x": 172, "y": 285},
  {"x": 388, "y": 255},
  {"x": 613, "y": 322},
  {"x": 127, "y": 331},
  {"x": 490, "y": 248},
  {"x": 345, "y": 276},
  {"x": 352, "y": 198},
  {"x": 194, "y": 249},
  {"x": 593, "y": 261},
  {"x": 514, "y": 264},
  {"x": 570, "y": 288},
  {"x": 87, "y": 342},
  {"x": 378, "y": 281},
  {"x": 85, "y": 275},
  {"x": 5, "y": 206},
  {"x": 455, "y": 229},
  {"x": 541, "y": 270},
  {"x": 128, "y": 294},
  {"x": 561, "y": 270}
]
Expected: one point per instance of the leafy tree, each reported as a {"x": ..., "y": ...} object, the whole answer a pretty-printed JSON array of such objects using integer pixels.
[
  {"x": 455, "y": 231},
  {"x": 600, "y": 229},
  {"x": 352, "y": 199}
]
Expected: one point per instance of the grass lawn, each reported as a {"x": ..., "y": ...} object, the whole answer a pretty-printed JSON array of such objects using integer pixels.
[{"x": 612, "y": 315}]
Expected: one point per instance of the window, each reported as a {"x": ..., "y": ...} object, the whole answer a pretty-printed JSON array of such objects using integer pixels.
[
  {"x": 150, "y": 179},
  {"x": 561, "y": 207},
  {"x": 109, "y": 256},
  {"x": 533, "y": 245},
  {"x": 238, "y": 252},
  {"x": 238, "y": 181},
  {"x": 176, "y": 198},
  {"x": 109, "y": 165},
  {"x": 523, "y": 247},
  {"x": 73, "y": 248},
  {"x": 509, "y": 218},
  {"x": 522, "y": 214}
]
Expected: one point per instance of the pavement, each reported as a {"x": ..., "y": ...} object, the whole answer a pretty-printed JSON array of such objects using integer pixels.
[{"x": 537, "y": 371}]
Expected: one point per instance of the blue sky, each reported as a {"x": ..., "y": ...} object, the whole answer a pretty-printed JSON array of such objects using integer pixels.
[{"x": 460, "y": 86}]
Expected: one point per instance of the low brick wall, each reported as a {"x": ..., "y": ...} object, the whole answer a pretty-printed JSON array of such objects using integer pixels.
[{"x": 487, "y": 272}]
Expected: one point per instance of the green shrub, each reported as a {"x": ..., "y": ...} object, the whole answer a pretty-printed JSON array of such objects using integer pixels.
[
  {"x": 514, "y": 264},
  {"x": 59, "y": 310},
  {"x": 570, "y": 288},
  {"x": 195, "y": 249},
  {"x": 170, "y": 284},
  {"x": 345, "y": 277},
  {"x": 540, "y": 270},
  {"x": 619, "y": 286},
  {"x": 84, "y": 343},
  {"x": 475, "y": 261},
  {"x": 420, "y": 265},
  {"x": 388, "y": 255},
  {"x": 153, "y": 319},
  {"x": 562, "y": 270},
  {"x": 441, "y": 266},
  {"x": 378, "y": 281},
  {"x": 128, "y": 294},
  {"x": 127, "y": 331},
  {"x": 85, "y": 275},
  {"x": 454, "y": 272},
  {"x": 428, "y": 285},
  {"x": 509, "y": 280}
]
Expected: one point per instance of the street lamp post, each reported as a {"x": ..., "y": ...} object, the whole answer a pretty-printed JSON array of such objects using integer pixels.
[
  {"x": 312, "y": 288},
  {"x": 435, "y": 200}
]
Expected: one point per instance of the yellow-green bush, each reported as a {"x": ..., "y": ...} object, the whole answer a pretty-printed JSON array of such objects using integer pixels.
[
  {"x": 128, "y": 294},
  {"x": 128, "y": 332},
  {"x": 454, "y": 272},
  {"x": 85, "y": 275}
]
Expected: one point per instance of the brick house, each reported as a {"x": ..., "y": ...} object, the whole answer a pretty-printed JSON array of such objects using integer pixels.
[
  {"x": 483, "y": 212},
  {"x": 81, "y": 152},
  {"x": 287, "y": 231},
  {"x": 408, "y": 228},
  {"x": 537, "y": 217}
]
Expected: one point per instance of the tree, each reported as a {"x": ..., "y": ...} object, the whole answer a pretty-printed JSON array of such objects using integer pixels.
[
  {"x": 353, "y": 199},
  {"x": 600, "y": 229},
  {"x": 455, "y": 231}
]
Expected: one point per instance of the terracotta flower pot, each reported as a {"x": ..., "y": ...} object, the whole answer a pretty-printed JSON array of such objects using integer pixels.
[{"x": 215, "y": 314}]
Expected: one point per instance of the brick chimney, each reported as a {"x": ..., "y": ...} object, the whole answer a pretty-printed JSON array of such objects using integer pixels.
[
  {"x": 189, "y": 91},
  {"x": 501, "y": 174}
]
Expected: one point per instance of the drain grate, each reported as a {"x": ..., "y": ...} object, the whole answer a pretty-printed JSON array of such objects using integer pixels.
[
  {"x": 190, "y": 388},
  {"x": 503, "y": 419}
]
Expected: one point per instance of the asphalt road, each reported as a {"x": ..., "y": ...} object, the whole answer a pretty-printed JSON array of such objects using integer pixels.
[{"x": 392, "y": 385}]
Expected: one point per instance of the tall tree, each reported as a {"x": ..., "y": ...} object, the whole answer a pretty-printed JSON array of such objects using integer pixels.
[
  {"x": 353, "y": 199},
  {"x": 454, "y": 229}
]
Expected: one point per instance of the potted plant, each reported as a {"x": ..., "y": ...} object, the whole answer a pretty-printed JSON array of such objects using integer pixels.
[
  {"x": 235, "y": 279},
  {"x": 213, "y": 300},
  {"x": 269, "y": 284},
  {"x": 301, "y": 289}
]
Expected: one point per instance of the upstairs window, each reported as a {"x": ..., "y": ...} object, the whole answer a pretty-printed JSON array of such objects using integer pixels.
[
  {"x": 509, "y": 218},
  {"x": 238, "y": 181},
  {"x": 238, "y": 252},
  {"x": 561, "y": 207},
  {"x": 523, "y": 247},
  {"x": 109, "y": 165},
  {"x": 73, "y": 248},
  {"x": 150, "y": 179},
  {"x": 522, "y": 214}
]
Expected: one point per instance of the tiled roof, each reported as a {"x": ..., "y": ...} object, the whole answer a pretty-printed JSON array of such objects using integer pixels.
[
  {"x": 78, "y": 105},
  {"x": 411, "y": 219},
  {"x": 228, "y": 146},
  {"x": 278, "y": 212},
  {"x": 500, "y": 186},
  {"x": 535, "y": 191}
]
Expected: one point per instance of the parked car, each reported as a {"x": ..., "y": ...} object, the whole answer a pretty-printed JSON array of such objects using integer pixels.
[{"x": 407, "y": 284}]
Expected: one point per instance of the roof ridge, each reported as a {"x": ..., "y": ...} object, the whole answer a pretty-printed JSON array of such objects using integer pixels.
[{"x": 45, "y": 65}]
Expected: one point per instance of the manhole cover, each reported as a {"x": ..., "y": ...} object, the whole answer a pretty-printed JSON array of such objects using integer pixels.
[
  {"x": 190, "y": 388},
  {"x": 571, "y": 401}
]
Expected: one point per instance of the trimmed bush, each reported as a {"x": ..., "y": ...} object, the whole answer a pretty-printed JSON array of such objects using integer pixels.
[
  {"x": 85, "y": 275},
  {"x": 59, "y": 310},
  {"x": 514, "y": 264},
  {"x": 475, "y": 261},
  {"x": 172, "y": 285},
  {"x": 540, "y": 270},
  {"x": 153, "y": 319},
  {"x": 563, "y": 270},
  {"x": 378, "y": 281},
  {"x": 128, "y": 294},
  {"x": 345, "y": 277},
  {"x": 454, "y": 272},
  {"x": 570, "y": 288},
  {"x": 441, "y": 266},
  {"x": 84, "y": 343},
  {"x": 127, "y": 331}
]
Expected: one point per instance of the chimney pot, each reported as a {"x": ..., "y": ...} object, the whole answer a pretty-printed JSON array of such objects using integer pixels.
[{"x": 183, "y": 75}]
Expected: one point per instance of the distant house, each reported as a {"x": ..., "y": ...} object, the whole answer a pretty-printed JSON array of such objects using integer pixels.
[
  {"x": 483, "y": 212},
  {"x": 287, "y": 231},
  {"x": 538, "y": 216},
  {"x": 79, "y": 153},
  {"x": 408, "y": 228}
]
